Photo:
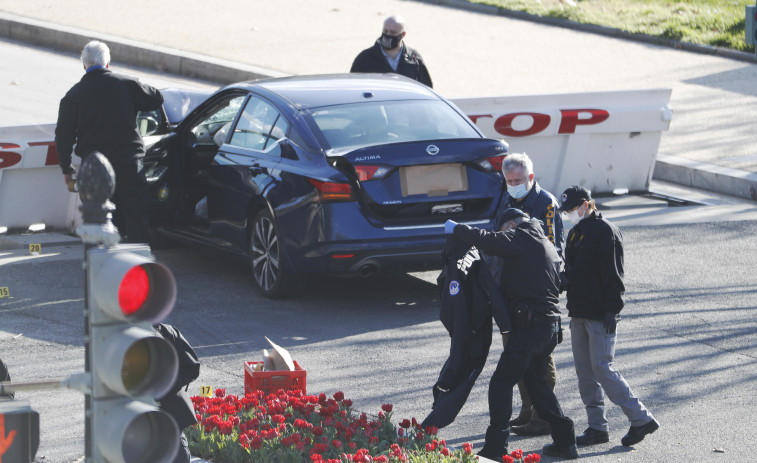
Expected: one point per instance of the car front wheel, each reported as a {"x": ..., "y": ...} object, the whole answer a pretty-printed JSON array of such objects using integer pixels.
[{"x": 266, "y": 260}]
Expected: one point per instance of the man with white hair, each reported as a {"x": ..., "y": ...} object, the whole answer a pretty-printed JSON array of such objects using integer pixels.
[
  {"x": 99, "y": 113},
  {"x": 390, "y": 54}
]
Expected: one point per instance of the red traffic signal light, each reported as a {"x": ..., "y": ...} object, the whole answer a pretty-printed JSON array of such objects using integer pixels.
[
  {"x": 131, "y": 365},
  {"x": 128, "y": 285}
]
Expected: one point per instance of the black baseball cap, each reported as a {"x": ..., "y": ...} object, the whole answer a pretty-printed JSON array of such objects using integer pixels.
[
  {"x": 574, "y": 196},
  {"x": 511, "y": 214}
]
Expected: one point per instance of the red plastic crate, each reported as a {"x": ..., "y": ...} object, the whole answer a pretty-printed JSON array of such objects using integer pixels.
[{"x": 272, "y": 381}]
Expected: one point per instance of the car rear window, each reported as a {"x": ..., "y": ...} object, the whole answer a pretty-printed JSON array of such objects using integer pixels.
[{"x": 375, "y": 123}]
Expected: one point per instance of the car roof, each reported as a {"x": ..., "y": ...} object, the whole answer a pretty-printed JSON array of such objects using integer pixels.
[{"x": 314, "y": 91}]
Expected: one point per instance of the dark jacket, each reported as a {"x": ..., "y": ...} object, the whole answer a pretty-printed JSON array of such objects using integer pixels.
[
  {"x": 539, "y": 204},
  {"x": 594, "y": 268},
  {"x": 99, "y": 113},
  {"x": 531, "y": 273},
  {"x": 410, "y": 63},
  {"x": 177, "y": 402},
  {"x": 469, "y": 299}
]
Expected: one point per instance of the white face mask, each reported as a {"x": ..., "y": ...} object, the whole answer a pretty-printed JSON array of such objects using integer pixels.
[
  {"x": 572, "y": 217},
  {"x": 518, "y": 191}
]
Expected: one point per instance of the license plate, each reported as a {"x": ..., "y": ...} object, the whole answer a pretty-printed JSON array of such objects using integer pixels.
[
  {"x": 452, "y": 208},
  {"x": 433, "y": 179}
]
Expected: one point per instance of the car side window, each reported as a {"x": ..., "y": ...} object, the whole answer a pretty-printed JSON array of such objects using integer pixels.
[
  {"x": 209, "y": 130},
  {"x": 259, "y": 126}
]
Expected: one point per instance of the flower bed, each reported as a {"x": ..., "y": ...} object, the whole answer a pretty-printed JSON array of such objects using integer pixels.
[{"x": 286, "y": 427}]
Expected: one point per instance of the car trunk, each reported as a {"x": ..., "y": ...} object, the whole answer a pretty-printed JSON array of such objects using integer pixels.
[{"x": 422, "y": 182}]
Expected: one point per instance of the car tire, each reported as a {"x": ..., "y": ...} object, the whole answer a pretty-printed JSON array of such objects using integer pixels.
[{"x": 266, "y": 264}]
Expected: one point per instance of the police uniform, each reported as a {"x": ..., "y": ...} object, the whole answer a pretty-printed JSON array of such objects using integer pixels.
[
  {"x": 531, "y": 285},
  {"x": 539, "y": 204}
]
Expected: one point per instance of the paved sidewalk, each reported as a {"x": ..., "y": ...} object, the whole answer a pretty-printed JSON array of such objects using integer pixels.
[{"x": 711, "y": 142}]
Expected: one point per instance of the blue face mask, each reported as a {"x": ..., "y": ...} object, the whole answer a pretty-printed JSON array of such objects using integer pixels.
[{"x": 518, "y": 191}]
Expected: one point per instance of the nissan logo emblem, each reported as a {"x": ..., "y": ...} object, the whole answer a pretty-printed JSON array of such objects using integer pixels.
[{"x": 432, "y": 150}]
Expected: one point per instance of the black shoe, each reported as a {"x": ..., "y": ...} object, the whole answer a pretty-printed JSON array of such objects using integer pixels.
[
  {"x": 636, "y": 433},
  {"x": 492, "y": 455},
  {"x": 591, "y": 436},
  {"x": 522, "y": 419},
  {"x": 532, "y": 428},
  {"x": 569, "y": 452}
]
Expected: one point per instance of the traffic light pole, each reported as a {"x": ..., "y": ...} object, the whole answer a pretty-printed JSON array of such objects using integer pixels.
[{"x": 96, "y": 184}]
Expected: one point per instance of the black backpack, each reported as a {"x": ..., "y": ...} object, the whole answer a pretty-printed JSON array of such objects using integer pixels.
[{"x": 189, "y": 363}]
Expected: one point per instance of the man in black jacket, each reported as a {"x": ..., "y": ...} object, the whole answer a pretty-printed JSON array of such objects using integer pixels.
[
  {"x": 531, "y": 284},
  {"x": 390, "y": 54},
  {"x": 594, "y": 270},
  {"x": 99, "y": 113}
]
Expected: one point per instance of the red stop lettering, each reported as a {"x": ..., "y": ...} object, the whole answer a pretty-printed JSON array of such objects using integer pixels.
[
  {"x": 570, "y": 119},
  {"x": 504, "y": 124},
  {"x": 476, "y": 117},
  {"x": 9, "y": 158},
  {"x": 52, "y": 152}
]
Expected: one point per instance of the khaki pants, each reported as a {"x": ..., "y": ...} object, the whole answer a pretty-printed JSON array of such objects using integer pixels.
[{"x": 550, "y": 377}]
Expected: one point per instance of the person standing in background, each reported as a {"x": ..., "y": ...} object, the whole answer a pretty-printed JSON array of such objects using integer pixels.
[{"x": 390, "y": 54}]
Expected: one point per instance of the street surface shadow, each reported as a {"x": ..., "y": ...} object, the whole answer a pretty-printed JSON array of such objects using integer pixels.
[{"x": 739, "y": 80}]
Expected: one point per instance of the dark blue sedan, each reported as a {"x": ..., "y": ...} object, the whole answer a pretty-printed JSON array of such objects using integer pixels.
[{"x": 335, "y": 174}]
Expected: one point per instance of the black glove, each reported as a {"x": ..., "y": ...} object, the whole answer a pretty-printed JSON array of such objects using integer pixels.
[{"x": 611, "y": 322}]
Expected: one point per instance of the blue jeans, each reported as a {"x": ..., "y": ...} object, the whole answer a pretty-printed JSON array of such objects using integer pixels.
[{"x": 526, "y": 356}]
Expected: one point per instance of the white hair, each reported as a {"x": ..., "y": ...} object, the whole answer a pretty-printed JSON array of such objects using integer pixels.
[
  {"x": 95, "y": 53},
  {"x": 518, "y": 160}
]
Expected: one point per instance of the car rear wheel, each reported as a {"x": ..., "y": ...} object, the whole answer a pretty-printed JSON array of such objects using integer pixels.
[{"x": 266, "y": 260}]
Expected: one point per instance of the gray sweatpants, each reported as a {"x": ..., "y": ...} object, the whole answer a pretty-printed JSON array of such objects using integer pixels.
[{"x": 593, "y": 355}]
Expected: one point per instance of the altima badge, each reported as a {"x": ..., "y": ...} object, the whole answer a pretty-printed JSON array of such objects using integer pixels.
[{"x": 432, "y": 150}]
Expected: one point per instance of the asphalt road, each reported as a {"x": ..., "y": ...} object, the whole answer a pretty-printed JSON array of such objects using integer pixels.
[{"x": 688, "y": 340}]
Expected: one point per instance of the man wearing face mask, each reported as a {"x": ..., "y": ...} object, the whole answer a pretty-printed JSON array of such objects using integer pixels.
[
  {"x": 389, "y": 54},
  {"x": 524, "y": 193},
  {"x": 594, "y": 270}
]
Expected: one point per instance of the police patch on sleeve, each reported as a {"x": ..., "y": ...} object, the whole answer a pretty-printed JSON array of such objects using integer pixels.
[{"x": 454, "y": 287}]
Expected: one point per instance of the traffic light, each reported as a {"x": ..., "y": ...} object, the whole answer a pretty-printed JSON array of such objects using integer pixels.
[
  {"x": 19, "y": 431},
  {"x": 130, "y": 364},
  {"x": 751, "y": 25}
]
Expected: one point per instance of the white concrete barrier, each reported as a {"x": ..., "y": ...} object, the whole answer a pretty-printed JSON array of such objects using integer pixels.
[
  {"x": 31, "y": 184},
  {"x": 603, "y": 141}
]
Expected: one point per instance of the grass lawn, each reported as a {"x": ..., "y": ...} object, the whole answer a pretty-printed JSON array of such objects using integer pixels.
[{"x": 709, "y": 22}]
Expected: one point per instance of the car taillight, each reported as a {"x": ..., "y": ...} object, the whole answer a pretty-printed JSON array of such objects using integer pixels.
[
  {"x": 332, "y": 191},
  {"x": 492, "y": 163},
  {"x": 371, "y": 172}
]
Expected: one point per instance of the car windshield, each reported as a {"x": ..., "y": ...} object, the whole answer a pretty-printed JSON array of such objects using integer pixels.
[{"x": 353, "y": 125}]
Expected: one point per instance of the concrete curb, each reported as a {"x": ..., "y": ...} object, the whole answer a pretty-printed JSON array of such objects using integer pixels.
[
  {"x": 132, "y": 52},
  {"x": 595, "y": 29},
  {"x": 706, "y": 176},
  {"x": 677, "y": 170}
]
